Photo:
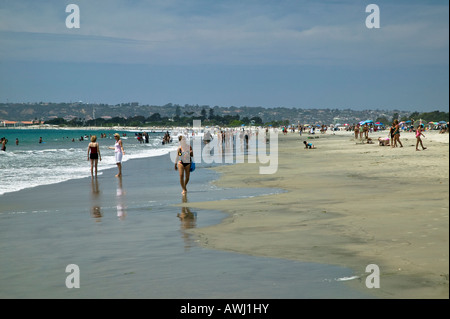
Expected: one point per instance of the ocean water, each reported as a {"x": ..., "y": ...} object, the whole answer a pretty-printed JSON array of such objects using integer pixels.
[
  {"x": 62, "y": 155},
  {"x": 130, "y": 237}
]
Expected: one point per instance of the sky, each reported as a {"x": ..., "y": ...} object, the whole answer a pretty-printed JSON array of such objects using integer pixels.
[{"x": 269, "y": 53}]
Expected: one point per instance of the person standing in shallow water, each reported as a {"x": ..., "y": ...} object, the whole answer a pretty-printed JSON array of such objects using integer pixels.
[
  {"x": 119, "y": 152},
  {"x": 183, "y": 162},
  {"x": 94, "y": 154},
  {"x": 3, "y": 142}
]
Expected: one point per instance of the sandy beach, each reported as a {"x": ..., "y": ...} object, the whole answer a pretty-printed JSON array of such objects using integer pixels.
[
  {"x": 348, "y": 204},
  {"x": 130, "y": 237}
]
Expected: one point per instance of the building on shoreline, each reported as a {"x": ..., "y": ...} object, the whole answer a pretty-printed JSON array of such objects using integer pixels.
[{"x": 6, "y": 123}]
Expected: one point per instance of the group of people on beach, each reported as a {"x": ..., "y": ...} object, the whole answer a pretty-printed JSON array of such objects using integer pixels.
[
  {"x": 393, "y": 139},
  {"x": 183, "y": 161},
  {"x": 394, "y": 133},
  {"x": 362, "y": 132},
  {"x": 93, "y": 154}
]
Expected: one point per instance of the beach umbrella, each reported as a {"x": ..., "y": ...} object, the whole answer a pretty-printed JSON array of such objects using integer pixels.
[
  {"x": 378, "y": 123},
  {"x": 442, "y": 122},
  {"x": 408, "y": 121}
]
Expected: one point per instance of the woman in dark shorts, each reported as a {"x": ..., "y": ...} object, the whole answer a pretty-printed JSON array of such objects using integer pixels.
[
  {"x": 396, "y": 134},
  {"x": 183, "y": 162},
  {"x": 391, "y": 133},
  {"x": 94, "y": 154}
]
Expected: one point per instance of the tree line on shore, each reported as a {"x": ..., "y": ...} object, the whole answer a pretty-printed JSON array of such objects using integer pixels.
[
  {"x": 212, "y": 120},
  {"x": 157, "y": 120}
]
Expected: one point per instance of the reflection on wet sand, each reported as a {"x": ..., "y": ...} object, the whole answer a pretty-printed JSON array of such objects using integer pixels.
[
  {"x": 95, "y": 198},
  {"x": 120, "y": 196},
  {"x": 188, "y": 220}
]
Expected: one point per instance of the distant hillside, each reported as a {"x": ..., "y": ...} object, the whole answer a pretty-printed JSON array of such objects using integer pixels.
[{"x": 85, "y": 112}]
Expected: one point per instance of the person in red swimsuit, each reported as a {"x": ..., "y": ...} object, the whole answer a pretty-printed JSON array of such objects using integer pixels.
[{"x": 94, "y": 154}]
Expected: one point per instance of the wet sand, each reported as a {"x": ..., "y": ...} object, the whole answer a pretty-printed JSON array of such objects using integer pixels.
[
  {"x": 131, "y": 240},
  {"x": 348, "y": 204}
]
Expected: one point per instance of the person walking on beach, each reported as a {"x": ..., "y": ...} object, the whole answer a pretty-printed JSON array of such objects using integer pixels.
[
  {"x": 391, "y": 134},
  {"x": 119, "y": 152},
  {"x": 94, "y": 154},
  {"x": 366, "y": 131},
  {"x": 397, "y": 134},
  {"x": 419, "y": 140},
  {"x": 183, "y": 162},
  {"x": 356, "y": 131}
]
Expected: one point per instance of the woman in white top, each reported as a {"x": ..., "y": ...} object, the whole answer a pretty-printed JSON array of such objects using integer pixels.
[{"x": 119, "y": 151}]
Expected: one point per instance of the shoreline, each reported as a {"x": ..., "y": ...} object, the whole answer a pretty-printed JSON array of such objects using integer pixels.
[
  {"x": 346, "y": 204},
  {"x": 86, "y": 128},
  {"x": 117, "y": 231},
  {"x": 319, "y": 217}
]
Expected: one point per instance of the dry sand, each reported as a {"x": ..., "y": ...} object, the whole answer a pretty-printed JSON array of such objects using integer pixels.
[{"x": 347, "y": 204}]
